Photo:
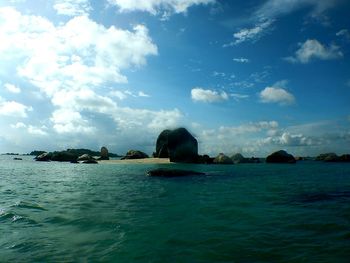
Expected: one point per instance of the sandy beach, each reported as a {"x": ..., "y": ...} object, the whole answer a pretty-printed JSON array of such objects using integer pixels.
[{"x": 138, "y": 161}]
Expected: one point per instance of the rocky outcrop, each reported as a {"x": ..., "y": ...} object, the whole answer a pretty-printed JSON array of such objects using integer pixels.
[
  {"x": 44, "y": 157},
  {"x": 172, "y": 173},
  {"x": 178, "y": 145},
  {"x": 64, "y": 156},
  {"x": 205, "y": 159},
  {"x": 134, "y": 154},
  {"x": 222, "y": 159},
  {"x": 332, "y": 157},
  {"x": 104, "y": 154},
  {"x": 280, "y": 157},
  {"x": 85, "y": 157},
  {"x": 162, "y": 145},
  {"x": 238, "y": 158}
]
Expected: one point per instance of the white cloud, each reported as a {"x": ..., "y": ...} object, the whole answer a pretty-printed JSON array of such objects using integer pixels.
[
  {"x": 36, "y": 131},
  {"x": 18, "y": 125},
  {"x": 208, "y": 96},
  {"x": 14, "y": 109},
  {"x": 118, "y": 94},
  {"x": 343, "y": 33},
  {"x": 238, "y": 96},
  {"x": 78, "y": 53},
  {"x": 275, "y": 8},
  {"x": 312, "y": 49},
  {"x": 72, "y": 7},
  {"x": 251, "y": 34},
  {"x": 241, "y": 60},
  {"x": 156, "y": 6},
  {"x": 276, "y": 95},
  {"x": 142, "y": 94},
  {"x": 12, "y": 88}
]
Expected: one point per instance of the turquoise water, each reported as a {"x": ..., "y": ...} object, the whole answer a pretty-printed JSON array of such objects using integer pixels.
[{"x": 240, "y": 213}]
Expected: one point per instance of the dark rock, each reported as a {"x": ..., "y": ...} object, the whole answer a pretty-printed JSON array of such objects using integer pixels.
[
  {"x": 162, "y": 145},
  {"x": 85, "y": 157},
  {"x": 222, "y": 159},
  {"x": 205, "y": 159},
  {"x": 132, "y": 154},
  {"x": 92, "y": 161},
  {"x": 44, "y": 157},
  {"x": 344, "y": 158},
  {"x": 238, "y": 158},
  {"x": 104, "y": 154},
  {"x": 182, "y": 146},
  {"x": 328, "y": 157},
  {"x": 172, "y": 172},
  {"x": 64, "y": 156},
  {"x": 280, "y": 157},
  {"x": 17, "y": 159}
]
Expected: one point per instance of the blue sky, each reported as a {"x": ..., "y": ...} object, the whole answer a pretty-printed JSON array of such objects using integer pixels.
[{"x": 242, "y": 76}]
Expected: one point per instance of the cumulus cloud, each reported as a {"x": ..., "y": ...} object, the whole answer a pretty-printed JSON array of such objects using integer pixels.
[
  {"x": 71, "y": 64},
  {"x": 72, "y": 7},
  {"x": 208, "y": 96},
  {"x": 313, "y": 49},
  {"x": 241, "y": 60},
  {"x": 276, "y": 95},
  {"x": 12, "y": 88},
  {"x": 18, "y": 125},
  {"x": 292, "y": 140},
  {"x": 14, "y": 109},
  {"x": 156, "y": 6}
]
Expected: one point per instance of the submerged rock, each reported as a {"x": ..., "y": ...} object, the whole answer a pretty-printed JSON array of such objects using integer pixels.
[
  {"x": 17, "y": 159},
  {"x": 172, "y": 172},
  {"x": 222, "y": 159},
  {"x": 90, "y": 161},
  {"x": 280, "y": 157},
  {"x": 134, "y": 154}
]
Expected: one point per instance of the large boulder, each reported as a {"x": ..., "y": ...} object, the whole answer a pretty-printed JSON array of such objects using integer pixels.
[
  {"x": 344, "y": 158},
  {"x": 280, "y": 157},
  {"x": 182, "y": 146},
  {"x": 133, "y": 154},
  {"x": 222, "y": 159},
  {"x": 44, "y": 157},
  {"x": 104, "y": 154},
  {"x": 162, "y": 145},
  {"x": 85, "y": 157},
  {"x": 64, "y": 156}
]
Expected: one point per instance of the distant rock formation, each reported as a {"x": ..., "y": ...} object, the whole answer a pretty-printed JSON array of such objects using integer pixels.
[
  {"x": 104, "y": 154},
  {"x": 239, "y": 158},
  {"x": 332, "y": 157},
  {"x": 178, "y": 145},
  {"x": 44, "y": 157},
  {"x": 134, "y": 154},
  {"x": 222, "y": 159},
  {"x": 280, "y": 157}
]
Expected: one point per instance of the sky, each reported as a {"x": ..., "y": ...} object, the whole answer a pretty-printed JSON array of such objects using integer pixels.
[{"x": 242, "y": 76}]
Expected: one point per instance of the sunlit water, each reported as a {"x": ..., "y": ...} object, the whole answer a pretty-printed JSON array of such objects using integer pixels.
[{"x": 237, "y": 213}]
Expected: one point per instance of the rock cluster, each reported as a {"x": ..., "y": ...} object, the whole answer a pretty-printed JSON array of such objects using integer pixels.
[{"x": 134, "y": 154}]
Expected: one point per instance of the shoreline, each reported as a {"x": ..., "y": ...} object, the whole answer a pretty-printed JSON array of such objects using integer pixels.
[{"x": 138, "y": 161}]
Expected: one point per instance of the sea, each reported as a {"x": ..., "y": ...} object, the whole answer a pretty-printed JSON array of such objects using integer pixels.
[{"x": 63, "y": 212}]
